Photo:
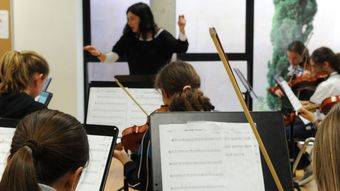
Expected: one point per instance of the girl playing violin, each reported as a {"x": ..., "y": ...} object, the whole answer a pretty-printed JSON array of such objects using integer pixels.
[
  {"x": 322, "y": 60},
  {"x": 298, "y": 57},
  {"x": 179, "y": 84}
]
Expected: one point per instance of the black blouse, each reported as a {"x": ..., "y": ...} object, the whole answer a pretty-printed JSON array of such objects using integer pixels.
[{"x": 147, "y": 57}]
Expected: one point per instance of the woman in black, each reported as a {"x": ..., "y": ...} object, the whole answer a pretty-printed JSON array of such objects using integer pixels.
[
  {"x": 145, "y": 46},
  {"x": 22, "y": 76}
]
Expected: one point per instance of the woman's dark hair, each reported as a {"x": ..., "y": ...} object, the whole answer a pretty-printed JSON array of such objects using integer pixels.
[
  {"x": 324, "y": 54},
  {"x": 147, "y": 23},
  {"x": 337, "y": 59},
  {"x": 46, "y": 145},
  {"x": 299, "y": 48},
  {"x": 181, "y": 82}
]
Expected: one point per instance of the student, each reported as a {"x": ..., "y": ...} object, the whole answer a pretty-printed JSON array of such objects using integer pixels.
[
  {"x": 180, "y": 85},
  {"x": 22, "y": 76},
  {"x": 48, "y": 152},
  {"x": 298, "y": 58},
  {"x": 324, "y": 60},
  {"x": 326, "y": 158},
  {"x": 146, "y": 46}
]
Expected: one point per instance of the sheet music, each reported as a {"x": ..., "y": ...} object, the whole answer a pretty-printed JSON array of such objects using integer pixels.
[
  {"x": 210, "y": 156},
  {"x": 293, "y": 99},
  {"x": 6, "y": 135},
  {"x": 111, "y": 106},
  {"x": 92, "y": 175}
]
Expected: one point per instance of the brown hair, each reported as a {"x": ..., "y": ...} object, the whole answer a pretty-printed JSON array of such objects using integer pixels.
[
  {"x": 326, "y": 158},
  {"x": 299, "y": 48},
  {"x": 181, "y": 82},
  {"x": 325, "y": 54},
  {"x": 17, "y": 70},
  {"x": 337, "y": 59},
  {"x": 46, "y": 145}
]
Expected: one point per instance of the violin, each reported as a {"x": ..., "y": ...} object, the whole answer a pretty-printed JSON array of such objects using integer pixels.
[
  {"x": 328, "y": 103},
  {"x": 273, "y": 89},
  {"x": 308, "y": 80},
  {"x": 132, "y": 136},
  {"x": 289, "y": 118}
]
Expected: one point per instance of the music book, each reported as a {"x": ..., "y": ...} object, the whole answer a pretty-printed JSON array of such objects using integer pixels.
[
  {"x": 111, "y": 106},
  {"x": 295, "y": 102}
]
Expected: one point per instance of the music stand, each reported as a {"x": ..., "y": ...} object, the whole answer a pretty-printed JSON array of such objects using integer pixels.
[
  {"x": 249, "y": 94},
  {"x": 269, "y": 125},
  {"x": 137, "y": 81}
]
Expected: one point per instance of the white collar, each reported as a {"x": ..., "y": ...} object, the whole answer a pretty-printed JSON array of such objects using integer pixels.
[
  {"x": 45, "y": 187},
  {"x": 333, "y": 74},
  {"x": 156, "y": 35}
]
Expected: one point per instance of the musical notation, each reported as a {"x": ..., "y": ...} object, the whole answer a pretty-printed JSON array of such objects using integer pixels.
[
  {"x": 93, "y": 174},
  {"x": 210, "y": 156},
  {"x": 6, "y": 135},
  {"x": 111, "y": 106}
]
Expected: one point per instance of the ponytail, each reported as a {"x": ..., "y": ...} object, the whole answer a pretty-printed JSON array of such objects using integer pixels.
[
  {"x": 19, "y": 174},
  {"x": 190, "y": 100},
  {"x": 46, "y": 145}
]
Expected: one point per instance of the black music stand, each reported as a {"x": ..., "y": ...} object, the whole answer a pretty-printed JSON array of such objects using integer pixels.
[
  {"x": 269, "y": 125},
  {"x": 103, "y": 130},
  {"x": 249, "y": 94},
  {"x": 137, "y": 81}
]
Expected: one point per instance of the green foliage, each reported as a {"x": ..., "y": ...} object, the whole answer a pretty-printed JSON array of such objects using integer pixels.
[{"x": 292, "y": 20}]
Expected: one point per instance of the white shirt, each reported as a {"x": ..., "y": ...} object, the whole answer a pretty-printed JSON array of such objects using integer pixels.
[
  {"x": 328, "y": 88},
  {"x": 294, "y": 71}
]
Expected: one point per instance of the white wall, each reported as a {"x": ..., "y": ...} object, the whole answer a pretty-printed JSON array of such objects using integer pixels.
[
  {"x": 54, "y": 29},
  {"x": 164, "y": 12}
]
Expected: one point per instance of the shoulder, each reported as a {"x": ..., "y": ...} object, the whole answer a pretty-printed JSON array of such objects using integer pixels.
[
  {"x": 330, "y": 82},
  {"x": 37, "y": 105},
  {"x": 162, "y": 33},
  {"x": 32, "y": 105}
]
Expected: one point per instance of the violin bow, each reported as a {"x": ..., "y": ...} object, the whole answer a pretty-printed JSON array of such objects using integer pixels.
[
  {"x": 232, "y": 78},
  {"x": 131, "y": 97},
  {"x": 304, "y": 50}
]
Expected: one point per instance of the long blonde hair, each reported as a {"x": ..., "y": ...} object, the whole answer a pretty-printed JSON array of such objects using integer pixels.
[
  {"x": 17, "y": 70},
  {"x": 326, "y": 159}
]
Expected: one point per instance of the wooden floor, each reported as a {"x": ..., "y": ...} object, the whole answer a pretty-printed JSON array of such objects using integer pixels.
[{"x": 115, "y": 178}]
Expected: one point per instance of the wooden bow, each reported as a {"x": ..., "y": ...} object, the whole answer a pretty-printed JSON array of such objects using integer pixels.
[{"x": 232, "y": 78}]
